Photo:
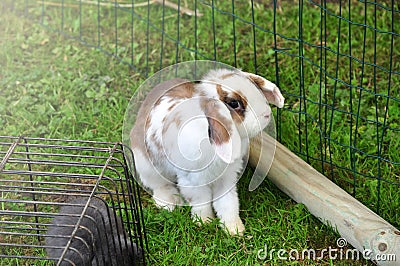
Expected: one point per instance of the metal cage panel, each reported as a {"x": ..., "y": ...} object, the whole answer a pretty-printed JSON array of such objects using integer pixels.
[{"x": 42, "y": 180}]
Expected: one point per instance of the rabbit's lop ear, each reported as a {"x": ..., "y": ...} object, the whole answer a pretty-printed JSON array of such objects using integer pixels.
[
  {"x": 269, "y": 89},
  {"x": 222, "y": 132}
]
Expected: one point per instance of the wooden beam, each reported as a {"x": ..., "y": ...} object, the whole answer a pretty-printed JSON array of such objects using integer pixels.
[{"x": 360, "y": 226}]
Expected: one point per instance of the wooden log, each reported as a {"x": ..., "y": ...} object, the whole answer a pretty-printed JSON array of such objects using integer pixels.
[{"x": 361, "y": 227}]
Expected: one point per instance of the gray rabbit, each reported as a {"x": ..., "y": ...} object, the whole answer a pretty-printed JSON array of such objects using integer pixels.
[{"x": 99, "y": 240}]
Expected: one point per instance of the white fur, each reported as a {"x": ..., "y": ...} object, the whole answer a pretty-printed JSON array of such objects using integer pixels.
[{"x": 177, "y": 159}]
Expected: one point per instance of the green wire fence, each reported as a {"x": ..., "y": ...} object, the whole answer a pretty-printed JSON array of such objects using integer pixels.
[{"x": 337, "y": 62}]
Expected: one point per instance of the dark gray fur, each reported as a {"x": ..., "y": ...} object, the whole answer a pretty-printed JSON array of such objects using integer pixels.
[{"x": 100, "y": 239}]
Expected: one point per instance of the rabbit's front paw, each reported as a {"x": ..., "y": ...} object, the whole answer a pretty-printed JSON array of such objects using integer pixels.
[
  {"x": 164, "y": 205},
  {"x": 202, "y": 215},
  {"x": 167, "y": 198},
  {"x": 235, "y": 227}
]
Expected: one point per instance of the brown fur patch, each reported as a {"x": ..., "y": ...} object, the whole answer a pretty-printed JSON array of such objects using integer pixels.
[
  {"x": 257, "y": 80},
  {"x": 183, "y": 91},
  {"x": 228, "y": 75},
  {"x": 222, "y": 94},
  {"x": 236, "y": 117},
  {"x": 147, "y": 123},
  {"x": 172, "y": 107},
  {"x": 177, "y": 121},
  {"x": 219, "y": 126},
  {"x": 157, "y": 102},
  {"x": 158, "y": 145}
]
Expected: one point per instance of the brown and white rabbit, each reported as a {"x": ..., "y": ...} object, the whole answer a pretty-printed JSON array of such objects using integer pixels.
[{"x": 190, "y": 140}]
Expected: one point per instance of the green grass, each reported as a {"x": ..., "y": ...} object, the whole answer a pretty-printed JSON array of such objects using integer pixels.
[{"x": 54, "y": 87}]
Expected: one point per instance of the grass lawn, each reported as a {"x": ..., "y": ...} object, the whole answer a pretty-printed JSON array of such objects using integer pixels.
[{"x": 54, "y": 87}]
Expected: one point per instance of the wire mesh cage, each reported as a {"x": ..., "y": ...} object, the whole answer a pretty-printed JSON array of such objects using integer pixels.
[{"x": 68, "y": 202}]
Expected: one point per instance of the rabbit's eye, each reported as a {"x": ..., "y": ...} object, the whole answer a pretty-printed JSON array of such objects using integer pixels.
[{"x": 235, "y": 104}]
